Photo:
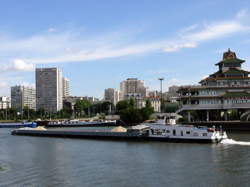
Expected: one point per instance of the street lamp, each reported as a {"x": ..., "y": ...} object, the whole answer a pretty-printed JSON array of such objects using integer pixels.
[{"x": 161, "y": 79}]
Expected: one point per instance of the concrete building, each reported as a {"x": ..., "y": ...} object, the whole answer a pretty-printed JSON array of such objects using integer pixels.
[
  {"x": 153, "y": 93},
  {"x": 4, "y": 102},
  {"x": 91, "y": 99},
  {"x": 172, "y": 95},
  {"x": 220, "y": 95},
  {"x": 112, "y": 95},
  {"x": 155, "y": 102},
  {"x": 72, "y": 99},
  {"x": 65, "y": 86},
  {"x": 22, "y": 96},
  {"x": 49, "y": 89},
  {"x": 132, "y": 88}
]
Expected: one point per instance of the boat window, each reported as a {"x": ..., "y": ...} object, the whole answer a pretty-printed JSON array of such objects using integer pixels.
[
  {"x": 181, "y": 133},
  {"x": 204, "y": 134},
  {"x": 174, "y": 132},
  {"x": 187, "y": 132},
  {"x": 168, "y": 131}
]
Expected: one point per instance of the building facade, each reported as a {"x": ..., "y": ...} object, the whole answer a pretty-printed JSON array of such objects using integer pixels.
[
  {"x": 22, "y": 96},
  {"x": 65, "y": 86},
  {"x": 112, "y": 95},
  {"x": 132, "y": 88},
  {"x": 4, "y": 102},
  {"x": 224, "y": 95},
  {"x": 49, "y": 89},
  {"x": 155, "y": 102}
]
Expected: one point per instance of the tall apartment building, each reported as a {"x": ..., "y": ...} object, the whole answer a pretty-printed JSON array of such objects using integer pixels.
[
  {"x": 22, "y": 96},
  {"x": 65, "y": 86},
  {"x": 49, "y": 89},
  {"x": 112, "y": 95},
  {"x": 4, "y": 102},
  {"x": 132, "y": 88}
]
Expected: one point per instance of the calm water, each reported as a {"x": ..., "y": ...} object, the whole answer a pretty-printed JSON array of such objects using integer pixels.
[{"x": 36, "y": 161}]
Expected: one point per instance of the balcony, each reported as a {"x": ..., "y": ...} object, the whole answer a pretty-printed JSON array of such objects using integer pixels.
[{"x": 215, "y": 106}]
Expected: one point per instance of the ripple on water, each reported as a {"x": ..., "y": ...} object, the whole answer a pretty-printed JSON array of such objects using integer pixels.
[{"x": 3, "y": 168}]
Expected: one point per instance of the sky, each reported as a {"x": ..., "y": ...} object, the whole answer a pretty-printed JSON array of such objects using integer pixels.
[{"x": 97, "y": 44}]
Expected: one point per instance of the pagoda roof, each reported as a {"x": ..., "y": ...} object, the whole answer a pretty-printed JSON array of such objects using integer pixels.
[
  {"x": 224, "y": 78},
  {"x": 235, "y": 71},
  {"x": 236, "y": 94},
  {"x": 231, "y": 61}
]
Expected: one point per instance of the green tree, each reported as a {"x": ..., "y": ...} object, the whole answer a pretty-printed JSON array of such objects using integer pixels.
[
  {"x": 147, "y": 111},
  {"x": 169, "y": 107},
  {"x": 81, "y": 107},
  {"x": 132, "y": 115},
  {"x": 121, "y": 105}
]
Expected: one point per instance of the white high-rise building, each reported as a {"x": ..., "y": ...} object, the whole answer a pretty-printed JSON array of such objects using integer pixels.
[
  {"x": 112, "y": 95},
  {"x": 49, "y": 89},
  {"x": 65, "y": 87},
  {"x": 132, "y": 88},
  {"x": 22, "y": 96},
  {"x": 4, "y": 102}
]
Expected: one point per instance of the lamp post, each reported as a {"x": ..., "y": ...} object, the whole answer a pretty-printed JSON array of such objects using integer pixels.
[{"x": 161, "y": 79}]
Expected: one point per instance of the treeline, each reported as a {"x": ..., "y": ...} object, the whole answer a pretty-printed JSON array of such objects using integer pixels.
[
  {"x": 82, "y": 108},
  {"x": 127, "y": 110}
]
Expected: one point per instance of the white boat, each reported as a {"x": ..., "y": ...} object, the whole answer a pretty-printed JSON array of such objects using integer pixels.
[
  {"x": 186, "y": 133},
  {"x": 180, "y": 133}
]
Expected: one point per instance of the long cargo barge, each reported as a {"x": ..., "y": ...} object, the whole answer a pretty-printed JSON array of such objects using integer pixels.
[
  {"x": 78, "y": 134},
  {"x": 158, "y": 132}
]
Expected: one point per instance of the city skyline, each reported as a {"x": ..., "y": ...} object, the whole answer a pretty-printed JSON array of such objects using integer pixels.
[{"x": 98, "y": 44}]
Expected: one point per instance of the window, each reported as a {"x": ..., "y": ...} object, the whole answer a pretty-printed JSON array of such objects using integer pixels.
[
  {"x": 174, "y": 132},
  {"x": 187, "y": 132},
  {"x": 204, "y": 134}
]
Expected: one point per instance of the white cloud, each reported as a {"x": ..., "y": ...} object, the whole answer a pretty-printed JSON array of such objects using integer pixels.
[
  {"x": 176, "y": 47},
  {"x": 51, "y": 30},
  {"x": 217, "y": 30},
  {"x": 18, "y": 65},
  {"x": 243, "y": 13},
  {"x": 77, "y": 46}
]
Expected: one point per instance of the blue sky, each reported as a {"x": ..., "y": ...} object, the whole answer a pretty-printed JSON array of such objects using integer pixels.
[{"x": 97, "y": 44}]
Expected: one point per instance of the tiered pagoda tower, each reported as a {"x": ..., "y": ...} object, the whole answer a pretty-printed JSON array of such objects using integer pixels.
[{"x": 223, "y": 95}]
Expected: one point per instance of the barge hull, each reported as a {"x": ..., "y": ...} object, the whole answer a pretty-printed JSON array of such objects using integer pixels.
[{"x": 104, "y": 136}]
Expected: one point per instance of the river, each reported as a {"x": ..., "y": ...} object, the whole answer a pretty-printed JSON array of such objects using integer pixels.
[{"x": 38, "y": 161}]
